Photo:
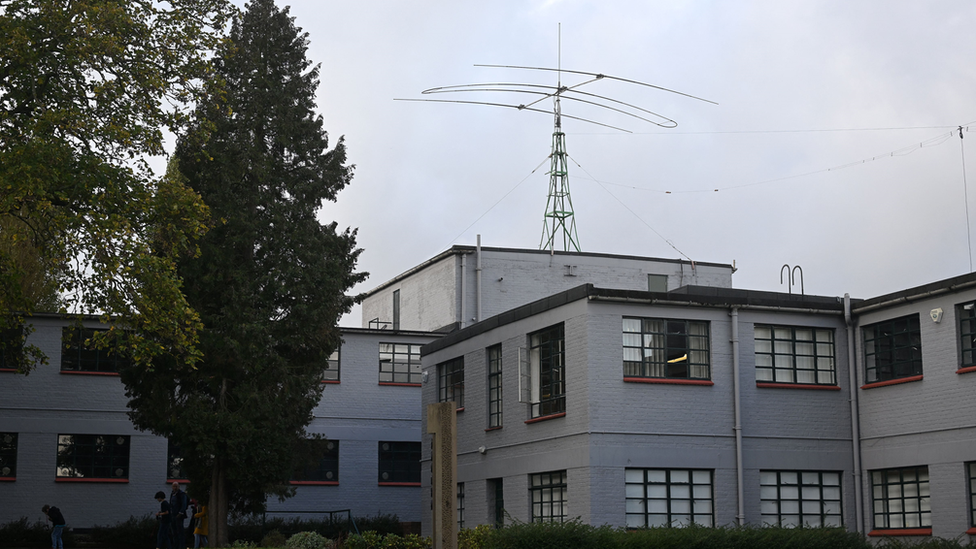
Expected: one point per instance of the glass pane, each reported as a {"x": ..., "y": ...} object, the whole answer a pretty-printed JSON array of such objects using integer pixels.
[{"x": 634, "y": 475}]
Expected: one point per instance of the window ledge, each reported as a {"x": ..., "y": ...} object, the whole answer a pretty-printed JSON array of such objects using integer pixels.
[
  {"x": 75, "y": 479},
  {"x": 331, "y": 381},
  {"x": 398, "y": 484},
  {"x": 87, "y": 373},
  {"x": 8, "y": 479},
  {"x": 180, "y": 480},
  {"x": 888, "y": 382},
  {"x": 461, "y": 409},
  {"x": 971, "y": 531},
  {"x": 493, "y": 428},
  {"x": 314, "y": 482},
  {"x": 901, "y": 532},
  {"x": 669, "y": 381},
  {"x": 544, "y": 418},
  {"x": 10, "y": 370},
  {"x": 771, "y": 385},
  {"x": 965, "y": 370},
  {"x": 392, "y": 384}
]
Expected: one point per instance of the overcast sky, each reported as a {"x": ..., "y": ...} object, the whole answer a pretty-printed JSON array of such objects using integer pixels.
[{"x": 813, "y": 99}]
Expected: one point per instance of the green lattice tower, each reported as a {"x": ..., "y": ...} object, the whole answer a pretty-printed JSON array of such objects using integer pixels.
[{"x": 559, "y": 207}]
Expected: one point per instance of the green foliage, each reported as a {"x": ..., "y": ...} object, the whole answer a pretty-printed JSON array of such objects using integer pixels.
[
  {"x": 274, "y": 538},
  {"x": 87, "y": 88},
  {"x": 554, "y": 535},
  {"x": 134, "y": 532},
  {"x": 373, "y": 540},
  {"x": 308, "y": 540},
  {"x": 23, "y": 533},
  {"x": 474, "y": 538}
]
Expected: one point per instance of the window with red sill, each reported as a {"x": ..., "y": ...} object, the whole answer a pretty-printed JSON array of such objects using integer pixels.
[
  {"x": 795, "y": 355},
  {"x": 82, "y": 352},
  {"x": 399, "y": 463},
  {"x": 322, "y": 466},
  {"x": 8, "y": 456},
  {"x": 892, "y": 349},
  {"x": 93, "y": 458},
  {"x": 901, "y": 500},
  {"x": 661, "y": 348},
  {"x": 450, "y": 381}
]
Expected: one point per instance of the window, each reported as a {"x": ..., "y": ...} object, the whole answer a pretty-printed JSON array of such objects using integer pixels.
[
  {"x": 11, "y": 347},
  {"x": 400, "y": 363},
  {"x": 450, "y": 382},
  {"x": 800, "y": 498},
  {"x": 893, "y": 349},
  {"x": 174, "y": 462},
  {"x": 668, "y": 497},
  {"x": 967, "y": 333},
  {"x": 399, "y": 463},
  {"x": 103, "y": 457},
  {"x": 496, "y": 501},
  {"x": 657, "y": 283},
  {"x": 396, "y": 309},
  {"x": 8, "y": 456},
  {"x": 663, "y": 348},
  {"x": 325, "y": 469},
  {"x": 494, "y": 386},
  {"x": 971, "y": 473},
  {"x": 79, "y": 354},
  {"x": 901, "y": 498},
  {"x": 548, "y": 371},
  {"x": 548, "y": 494},
  {"x": 332, "y": 368},
  {"x": 786, "y": 354},
  {"x": 460, "y": 506}
]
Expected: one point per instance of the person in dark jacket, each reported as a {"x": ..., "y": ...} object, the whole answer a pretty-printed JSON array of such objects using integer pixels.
[
  {"x": 178, "y": 502},
  {"x": 54, "y": 515},
  {"x": 165, "y": 518}
]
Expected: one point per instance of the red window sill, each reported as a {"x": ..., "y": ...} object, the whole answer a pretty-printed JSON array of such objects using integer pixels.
[
  {"x": 768, "y": 385},
  {"x": 398, "y": 484},
  {"x": 493, "y": 428},
  {"x": 7, "y": 479},
  {"x": 892, "y": 382},
  {"x": 667, "y": 381},
  {"x": 544, "y": 418},
  {"x": 11, "y": 370},
  {"x": 180, "y": 480},
  {"x": 971, "y": 531},
  {"x": 74, "y": 479},
  {"x": 391, "y": 384},
  {"x": 331, "y": 381},
  {"x": 965, "y": 370},
  {"x": 901, "y": 532},
  {"x": 314, "y": 482},
  {"x": 84, "y": 373},
  {"x": 461, "y": 409}
]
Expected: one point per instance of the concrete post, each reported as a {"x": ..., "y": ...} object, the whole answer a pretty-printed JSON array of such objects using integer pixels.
[{"x": 442, "y": 423}]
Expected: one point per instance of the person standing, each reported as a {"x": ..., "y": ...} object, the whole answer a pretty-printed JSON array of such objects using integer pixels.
[
  {"x": 165, "y": 517},
  {"x": 178, "y": 502},
  {"x": 54, "y": 515},
  {"x": 203, "y": 525}
]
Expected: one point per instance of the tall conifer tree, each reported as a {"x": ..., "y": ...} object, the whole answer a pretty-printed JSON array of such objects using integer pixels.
[{"x": 270, "y": 282}]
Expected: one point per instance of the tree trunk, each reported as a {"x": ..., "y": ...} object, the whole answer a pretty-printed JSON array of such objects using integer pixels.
[{"x": 219, "y": 535}]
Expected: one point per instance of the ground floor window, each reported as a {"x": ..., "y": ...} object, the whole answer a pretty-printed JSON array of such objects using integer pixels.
[
  {"x": 800, "y": 498},
  {"x": 669, "y": 497},
  {"x": 8, "y": 456},
  {"x": 460, "y": 505},
  {"x": 324, "y": 468},
  {"x": 399, "y": 463},
  {"x": 174, "y": 462},
  {"x": 971, "y": 473},
  {"x": 496, "y": 501},
  {"x": 901, "y": 498},
  {"x": 548, "y": 495},
  {"x": 93, "y": 456}
]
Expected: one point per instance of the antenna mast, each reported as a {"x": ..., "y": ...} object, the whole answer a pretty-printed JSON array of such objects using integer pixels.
[{"x": 559, "y": 206}]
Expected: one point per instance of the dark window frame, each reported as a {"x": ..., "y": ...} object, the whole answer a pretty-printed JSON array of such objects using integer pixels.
[
  {"x": 460, "y": 506},
  {"x": 93, "y": 457},
  {"x": 396, "y": 309},
  {"x": 666, "y": 351},
  {"x": 402, "y": 361},
  {"x": 333, "y": 366},
  {"x": 668, "y": 489},
  {"x": 174, "y": 460},
  {"x": 549, "y": 496},
  {"x": 883, "y": 514},
  {"x": 547, "y": 351},
  {"x": 8, "y": 456},
  {"x": 399, "y": 461},
  {"x": 494, "y": 368},
  {"x": 971, "y": 474},
  {"x": 77, "y": 356},
  {"x": 798, "y": 488},
  {"x": 325, "y": 471},
  {"x": 892, "y": 349},
  {"x": 786, "y": 353},
  {"x": 966, "y": 322},
  {"x": 450, "y": 381},
  {"x": 11, "y": 347}
]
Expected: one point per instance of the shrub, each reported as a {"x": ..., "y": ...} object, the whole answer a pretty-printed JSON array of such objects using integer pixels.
[
  {"x": 134, "y": 532},
  {"x": 374, "y": 540},
  {"x": 22, "y": 533},
  {"x": 273, "y": 538},
  {"x": 474, "y": 538},
  {"x": 308, "y": 540}
]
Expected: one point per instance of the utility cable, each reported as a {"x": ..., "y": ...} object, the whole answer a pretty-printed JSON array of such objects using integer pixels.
[{"x": 965, "y": 190}]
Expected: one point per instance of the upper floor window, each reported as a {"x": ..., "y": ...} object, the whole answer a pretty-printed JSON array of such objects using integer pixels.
[
  {"x": 400, "y": 363},
  {"x": 8, "y": 456},
  {"x": 323, "y": 468},
  {"x": 788, "y": 354},
  {"x": 396, "y": 309},
  {"x": 494, "y": 386},
  {"x": 399, "y": 463},
  {"x": 11, "y": 347},
  {"x": 893, "y": 349},
  {"x": 103, "y": 457},
  {"x": 901, "y": 498},
  {"x": 80, "y": 354},
  {"x": 174, "y": 462},
  {"x": 547, "y": 364},
  {"x": 332, "y": 367},
  {"x": 791, "y": 499},
  {"x": 966, "y": 313},
  {"x": 450, "y": 381},
  {"x": 665, "y": 348}
]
